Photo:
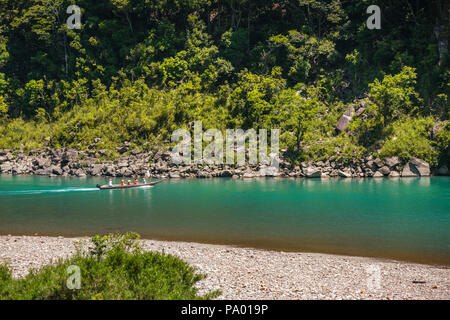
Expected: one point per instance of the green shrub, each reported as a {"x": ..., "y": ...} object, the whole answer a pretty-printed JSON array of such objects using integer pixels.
[
  {"x": 411, "y": 138},
  {"x": 115, "y": 267}
]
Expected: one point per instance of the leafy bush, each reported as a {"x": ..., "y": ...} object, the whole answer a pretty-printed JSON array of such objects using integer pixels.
[
  {"x": 411, "y": 138},
  {"x": 114, "y": 267}
]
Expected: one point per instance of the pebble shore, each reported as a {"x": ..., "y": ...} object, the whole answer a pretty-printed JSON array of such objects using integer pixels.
[{"x": 246, "y": 273}]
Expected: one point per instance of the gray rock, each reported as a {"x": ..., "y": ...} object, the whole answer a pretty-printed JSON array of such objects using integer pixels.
[
  {"x": 110, "y": 171},
  {"x": 96, "y": 169},
  {"x": 394, "y": 174},
  {"x": 378, "y": 162},
  {"x": 6, "y": 167},
  {"x": 269, "y": 172},
  {"x": 370, "y": 164},
  {"x": 203, "y": 174},
  {"x": 174, "y": 175},
  {"x": 70, "y": 155},
  {"x": 56, "y": 170},
  {"x": 391, "y": 162},
  {"x": 248, "y": 175},
  {"x": 385, "y": 170},
  {"x": 378, "y": 174},
  {"x": 410, "y": 171},
  {"x": 344, "y": 174},
  {"x": 311, "y": 172},
  {"x": 421, "y": 166},
  {"x": 226, "y": 173},
  {"x": 345, "y": 120}
]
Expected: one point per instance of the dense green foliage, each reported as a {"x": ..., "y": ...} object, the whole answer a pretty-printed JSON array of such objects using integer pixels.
[
  {"x": 115, "y": 267},
  {"x": 138, "y": 69}
]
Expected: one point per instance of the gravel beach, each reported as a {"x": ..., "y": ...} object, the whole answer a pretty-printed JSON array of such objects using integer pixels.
[{"x": 245, "y": 273}]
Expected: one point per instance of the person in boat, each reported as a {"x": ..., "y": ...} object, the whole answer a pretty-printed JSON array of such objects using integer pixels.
[
  {"x": 110, "y": 182},
  {"x": 145, "y": 181},
  {"x": 128, "y": 182},
  {"x": 135, "y": 181},
  {"x": 122, "y": 183}
]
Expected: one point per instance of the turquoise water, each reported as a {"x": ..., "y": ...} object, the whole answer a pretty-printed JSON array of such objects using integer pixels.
[{"x": 406, "y": 219}]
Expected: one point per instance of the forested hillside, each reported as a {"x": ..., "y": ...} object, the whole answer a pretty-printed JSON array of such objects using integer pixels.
[{"x": 139, "y": 69}]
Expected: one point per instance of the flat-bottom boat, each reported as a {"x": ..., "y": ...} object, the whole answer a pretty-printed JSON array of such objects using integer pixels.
[{"x": 125, "y": 186}]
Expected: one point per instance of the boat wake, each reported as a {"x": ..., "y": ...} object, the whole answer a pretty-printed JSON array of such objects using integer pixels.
[{"x": 45, "y": 191}]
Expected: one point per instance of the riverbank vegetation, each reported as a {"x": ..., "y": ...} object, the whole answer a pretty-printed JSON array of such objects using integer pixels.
[
  {"x": 137, "y": 70},
  {"x": 113, "y": 267}
]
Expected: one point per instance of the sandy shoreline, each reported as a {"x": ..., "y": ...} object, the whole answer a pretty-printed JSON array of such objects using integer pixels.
[{"x": 246, "y": 273}]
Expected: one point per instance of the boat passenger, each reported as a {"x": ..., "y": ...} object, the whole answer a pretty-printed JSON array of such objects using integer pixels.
[
  {"x": 110, "y": 182},
  {"x": 128, "y": 182},
  {"x": 135, "y": 181},
  {"x": 122, "y": 182},
  {"x": 145, "y": 181}
]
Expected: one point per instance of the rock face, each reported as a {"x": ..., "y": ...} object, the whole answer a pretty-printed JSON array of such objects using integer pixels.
[
  {"x": 346, "y": 118},
  {"x": 421, "y": 166},
  {"x": 158, "y": 164},
  {"x": 416, "y": 168},
  {"x": 410, "y": 171}
]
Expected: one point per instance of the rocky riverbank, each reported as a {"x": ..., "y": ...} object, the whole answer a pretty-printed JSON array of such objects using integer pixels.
[
  {"x": 69, "y": 162},
  {"x": 245, "y": 273}
]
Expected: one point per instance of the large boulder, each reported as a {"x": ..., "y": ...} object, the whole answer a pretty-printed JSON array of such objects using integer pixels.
[
  {"x": 378, "y": 162},
  {"x": 269, "y": 172},
  {"x": 378, "y": 174},
  {"x": 312, "y": 172},
  {"x": 96, "y": 170},
  {"x": 391, "y": 162},
  {"x": 385, "y": 170},
  {"x": 174, "y": 175},
  {"x": 422, "y": 166},
  {"x": 226, "y": 173},
  {"x": 410, "y": 171},
  {"x": 345, "y": 120}
]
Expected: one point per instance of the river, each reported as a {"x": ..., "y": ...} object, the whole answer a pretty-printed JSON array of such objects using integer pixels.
[{"x": 406, "y": 219}]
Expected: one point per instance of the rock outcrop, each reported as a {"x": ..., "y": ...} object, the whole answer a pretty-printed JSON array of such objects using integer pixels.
[
  {"x": 421, "y": 166},
  {"x": 345, "y": 119},
  {"x": 312, "y": 172},
  {"x": 158, "y": 164}
]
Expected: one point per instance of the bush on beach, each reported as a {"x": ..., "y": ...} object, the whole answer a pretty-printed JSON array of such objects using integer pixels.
[{"x": 113, "y": 268}]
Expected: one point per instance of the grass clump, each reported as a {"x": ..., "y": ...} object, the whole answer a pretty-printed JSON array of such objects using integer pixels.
[{"x": 113, "y": 268}]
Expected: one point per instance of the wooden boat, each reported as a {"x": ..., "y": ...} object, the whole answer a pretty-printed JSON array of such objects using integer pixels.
[{"x": 119, "y": 186}]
